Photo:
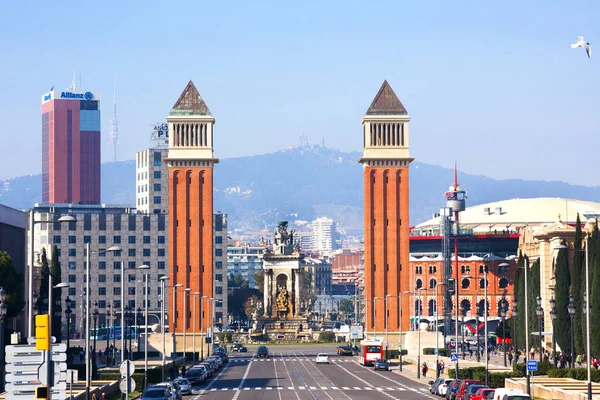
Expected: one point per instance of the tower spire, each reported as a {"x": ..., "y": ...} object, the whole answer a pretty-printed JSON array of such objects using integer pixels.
[{"x": 455, "y": 177}]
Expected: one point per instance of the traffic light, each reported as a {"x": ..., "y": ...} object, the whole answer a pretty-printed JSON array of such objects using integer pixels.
[
  {"x": 42, "y": 392},
  {"x": 42, "y": 332}
]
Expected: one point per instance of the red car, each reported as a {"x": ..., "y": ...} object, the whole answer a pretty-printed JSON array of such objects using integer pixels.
[
  {"x": 464, "y": 384},
  {"x": 482, "y": 394}
]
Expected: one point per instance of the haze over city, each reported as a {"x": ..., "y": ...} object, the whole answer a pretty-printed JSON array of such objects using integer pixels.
[{"x": 495, "y": 86}]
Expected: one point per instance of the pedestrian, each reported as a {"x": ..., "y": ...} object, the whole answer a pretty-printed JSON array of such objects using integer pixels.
[
  {"x": 443, "y": 366},
  {"x": 183, "y": 371},
  {"x": 424, "y": 369},
  {"x": 470, "y": 353},
  {"x": 510, "y": 358},
  {"x": 94, "y": 396},
  {"x": 517, "y": 355},
  {"x": 579, "y": 360},
  {"x": 103, "y": 397},
  {"x": 532, "y": 353}
]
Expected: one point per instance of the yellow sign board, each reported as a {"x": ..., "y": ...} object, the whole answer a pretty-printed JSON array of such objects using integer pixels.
[{"x": 42, "y": 332}]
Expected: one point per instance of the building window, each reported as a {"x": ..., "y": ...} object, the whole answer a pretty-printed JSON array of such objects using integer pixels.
[
  {"x": 116, "y": 239},
  {"x": 72, "y": 239},
  {"x": 72, "y": 265},
  {"x": 131, "y": 291},
  {"x": 102, "y": 278},
  {"x": 465, "y": 283},
  {"x": 418, "y": 284},
  {"x": 116, "y": 265},
  {"x": 131, "y": 240},
  {"x": 157, "y": 159},
  {"x": 116, "y": 292},
  {"x": 102, "y": 239},
  {"x": 72, "y": 291},
  {"x": 157, "y": 187},
  {"x": 117, "y": 303},
  {"x": 131, "y": 252},
  {"x": 432, "y": 283},
  {"x": 218, "y": 239},
  {"x": 146, "y": 252},
  {"x": 72, "y": 252},
  {"x": 483, "y": 283},
  {"x": 161, "y": 240},
  {"x": 219, "y": 252},
  {"x": 218, "y": 290},
  {"x": 161, "y": 252},
  {"x": 101, "y": 303},
  {"x": 131, "y": 265},
  {"x": 101, "y": 291},
  {"x": 56, "y": 239},
  {"x": 117, "y": 278},
  {"x": 131, "y": 277},
  {"x": 161, "y": 265},
  {"x": 156, "y": 199},
  {"x": 219, "y": 264},
  {"x": 219, "y": 277},
  {"x": 146, "y": 239},
  {"x": 503, "y": 283},
  {"x": 102, "y": 265},
  {"x": 156, "y": 174},
  {"x": 72, "y": 279}
]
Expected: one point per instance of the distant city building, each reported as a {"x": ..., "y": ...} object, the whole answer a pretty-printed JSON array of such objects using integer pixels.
[
  {"x": 319, "y": 270},
  {"x": 220, "y": 267},
  {"x": 152, "y": 181},
  {"x": 324, "y": 235},
  {"x": 345, "y": 266},
  {"x": 70, "y": 147},
  {"x": 245, "y": 260}
]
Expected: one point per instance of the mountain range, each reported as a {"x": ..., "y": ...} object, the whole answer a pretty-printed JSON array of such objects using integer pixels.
[{"x": 303, "y": 183}]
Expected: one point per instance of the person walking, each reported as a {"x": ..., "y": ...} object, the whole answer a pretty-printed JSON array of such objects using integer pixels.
[
  {"x": 510, "y": 358},
  {"x": 424, "y": 369},
  {"x": 579, "y": 360}
]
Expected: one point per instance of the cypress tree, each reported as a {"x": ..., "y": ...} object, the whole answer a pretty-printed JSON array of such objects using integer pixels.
[
  {"x": 519, "y": 288},
  {"x": 42, "y": 299},
  {"x": 56, "y": 295},
  {"x": 578, "y": 288},
  {"x": 594, "y": 263},
  {"x": 561, "y": 292},
  {"x": 533, "y": 286}
]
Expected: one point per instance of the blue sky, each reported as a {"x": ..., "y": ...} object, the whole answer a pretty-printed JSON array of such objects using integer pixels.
[{"x": 494, "y": 85}]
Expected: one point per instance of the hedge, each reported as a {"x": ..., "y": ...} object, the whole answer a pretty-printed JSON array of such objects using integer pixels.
[
  {"x": 495, "y": 380},
  {"x": 326, "y": 336},
  {"x": 393, "y": 353},
  {"x": 543, "y": 368},
  {"x": 442, "y": 351},
  {"x": 154, "y": 376},
  {"x": 576, "y": 373}
]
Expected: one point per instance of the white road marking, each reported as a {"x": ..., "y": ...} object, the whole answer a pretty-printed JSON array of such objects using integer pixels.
[{"x": 237, "y": 394}]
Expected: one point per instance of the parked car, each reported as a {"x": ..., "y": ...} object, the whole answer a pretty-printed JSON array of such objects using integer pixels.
[
  {"x": 344, "y": 350},
  {"x": 170, "y": 387},
  {"x": 322, "y": 358},
  {"x": 157, "y": 393},
  {"x": 210, "y": 367},
  {"x": 262, "y": 352},
  {"x": 482, "y": 394},
  {"x": 218, "y": 360},
  {"x": 451, "y": 392},
  {"x": 510, "y": 394},
  {"x": 464, "y": 385},
  {"x": 206, "y": 369},
  {"x": 443, "y": 387},
  {"x": 472, "y": 389},
  {"x": 435, "y": 385},
  {"x": 195, "y": 375},
  {"x": 381, "y": 364},
  {"x": 185, "y": 386},
  {"x": 239, "y": 347}
]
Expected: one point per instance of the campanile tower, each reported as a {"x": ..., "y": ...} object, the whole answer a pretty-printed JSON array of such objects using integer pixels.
[
  {"x": 386, "y": 203},
  {"x": 190, "y": 162}
]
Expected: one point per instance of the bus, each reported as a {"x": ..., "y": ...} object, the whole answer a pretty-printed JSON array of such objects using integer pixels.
[
  {"x": 112, "y": 332},
  {"x": 369, "y": 351}
]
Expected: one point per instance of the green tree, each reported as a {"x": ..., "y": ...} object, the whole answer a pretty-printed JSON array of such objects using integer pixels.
[
  {"x": 533, "y": 286},
  {"x": 237, "y": 299},
  {"x": 562, "y": 279},
  {"x": 578, "y": 288},
  {"x": 519, "y": 288},
  {"x": 594, "y": 264},
  {"x": 346, "y": 306},
  {"x": 55, "y": 271},
  {"x": 12, "y": 282},
  {"x": 259, "y": 280},
  {"x": 42, "y": 298},
  {"x": 237, "y": 281}
]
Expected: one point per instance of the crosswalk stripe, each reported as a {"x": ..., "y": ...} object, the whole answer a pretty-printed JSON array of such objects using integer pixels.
[
  {"x": 224, "y": 389},
  {"x": 345, "y": 388},
  {"x": 323, "y": 388},
  {"x": 301, "y": 387},
  {"x": 290, "y": 387},
  {"x": 313, "y": 388},
  {"x": 334, "y": 388},
  {"x": 213, "y": 390},
  {"x": 269, "y": 388},
  {"x": 357, "y": 388},
  {"x": 257, "y": 388},
  {"x": 368, "y": 388},
  {"x": 246, "y": 388}
]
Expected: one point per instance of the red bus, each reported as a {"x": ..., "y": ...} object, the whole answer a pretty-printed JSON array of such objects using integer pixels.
[{"x": 369, "y": 351}]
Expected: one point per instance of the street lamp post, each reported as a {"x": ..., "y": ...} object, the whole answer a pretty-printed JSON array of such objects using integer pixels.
[
  {"x": 114, "y": 313},
  {"x": 174, "y": 353},
  {"x": 145, "y": 269},
  {"x": 49, "y": 365},
  {"x": 477, "y": 312},
  {"x": 463, "y": 313},
  {"x": 68, "y": 312},
  {"x": 163, "y": 280},
  {"x": 202, "y": 327},
  {"x": 95, "y": 314},
  {"x": 3, "y": 311},
  {"x": 502, "y": 312},
  {"x": 540, "y": 313},
  {"x": 196, "y": 294},
  {"x": 387, "y": 339},
  {"x": 553, "y": 314},
  {"x": 514, "y": 316},
  {"x": 108, "y": 320},
  {"x": 571, "y": 309},
  {"x": 186, "y": 294}
]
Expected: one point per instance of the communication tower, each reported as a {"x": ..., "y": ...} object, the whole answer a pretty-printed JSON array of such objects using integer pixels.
[{"x": 114, "y": 125}]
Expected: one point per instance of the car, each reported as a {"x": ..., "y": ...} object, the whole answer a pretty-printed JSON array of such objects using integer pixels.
[
  {"x": 451, "y": 392},
  {"x": 510, "y": 394},
  {"x": 435, "y": 385},
  {"x": 155, "y": 393},
  {"x": 218, "y": 360},
  {"x": 344, "y": 350},
  {"x": 472, "y": 389},
  {"x": 184, "y": 385},
  {"x": 482, "y": 394},
  {"x": 322, "y": 358},
  {"x": 170, "y": 387},
  {"x": 443, "y": 387},
  {"x": 195, "y": 375},
  {"x": 239, "y": 347},
  {"x": 262, "y": 352},
  {"x": 381, "y": 364},
  {"x": 210, "y": 368},
  {"x": 464, "y": 386}
]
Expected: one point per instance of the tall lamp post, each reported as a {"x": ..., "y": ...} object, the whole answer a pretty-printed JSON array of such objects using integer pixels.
[
  {"x": 68, "y": 312},
  {"x": 115, "y": 311},
  {"x": 196, "y": 294},
  {"x": 107, "y": 323},
  {"x": 145, "y": 269},
  {"x": 553, "y": 314},
  {"x": 163, "y": 282},
  {"x": 540, "y": 314},
  {"x": 502, "y": 313},
  {"x": 571, "y": 309},
  {"x": 202, "y": 326},
  {"x": 3, "y": 311},
  {"x": 174, "y": 353},
  {"x": 418, "y": 306},
  {"x": 515, "y": 314},
  {"x": 95, "y": 314},
  {"x": 186, "y": 295},
  {"x": 387, "y": 338},
  {"x": 477, "y": 312}
]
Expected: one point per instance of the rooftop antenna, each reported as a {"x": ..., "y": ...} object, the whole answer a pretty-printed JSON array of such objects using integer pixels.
[
  {"x": 114, "y": 123},
  {"x": 73, "y": 86},
  {"x": 455, "y": 177}
]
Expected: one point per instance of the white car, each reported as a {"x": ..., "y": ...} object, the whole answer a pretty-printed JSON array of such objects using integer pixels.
[
  {"x": 322, "y": 358},
  {"x": 184, "y": 385}
]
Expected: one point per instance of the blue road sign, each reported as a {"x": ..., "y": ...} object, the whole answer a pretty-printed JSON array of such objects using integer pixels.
[
  {"x": 532, "y": 365},
  {"x": 454, "y": 357},
  {"x": 436, "y": 351}
]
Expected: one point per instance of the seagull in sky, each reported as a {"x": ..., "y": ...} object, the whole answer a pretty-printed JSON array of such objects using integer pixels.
[{"x": 584, "y": 44}]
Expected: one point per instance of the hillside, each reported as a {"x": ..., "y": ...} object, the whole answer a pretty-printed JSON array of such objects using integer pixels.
[{"x": 304, "y": 183}]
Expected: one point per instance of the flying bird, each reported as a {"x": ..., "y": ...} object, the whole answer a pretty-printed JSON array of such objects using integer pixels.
[
  {"x": 584, "y": 44},
  {"x": 52, "y": 88}
]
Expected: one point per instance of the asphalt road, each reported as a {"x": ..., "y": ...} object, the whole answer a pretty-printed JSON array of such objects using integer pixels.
[{"x": 291, "y": 374}]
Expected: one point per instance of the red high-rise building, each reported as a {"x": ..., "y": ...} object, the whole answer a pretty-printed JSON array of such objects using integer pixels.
[
  {"x": 70, "y": 148},
  {"x": 386, "y": 209}
]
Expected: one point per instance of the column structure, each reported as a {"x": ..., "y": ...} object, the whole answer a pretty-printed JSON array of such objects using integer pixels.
[
  {"x": 385, "y": 162},
  {"x": 190, "y": 160}
]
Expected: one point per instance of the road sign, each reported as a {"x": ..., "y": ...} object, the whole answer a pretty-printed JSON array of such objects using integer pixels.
[
  {"x": 72, "y": 376},
  {"x": 34, "y": 358},
  {"x": 42, "y": 332},
  {"x": 123, "y": 385},
  {"x": 454, "y": 357},
  {"x": 355, "y": 335},
  {"x": 435, "y": 351},
  {"x": 356, "y": 328},
  {"x": 30, "y": 386},
  {"x": 125, "y": 370},
  {"x": 532, "y": 365},
  {"x": 27, "y": 369},
  {"x": 55, "y": 395}
]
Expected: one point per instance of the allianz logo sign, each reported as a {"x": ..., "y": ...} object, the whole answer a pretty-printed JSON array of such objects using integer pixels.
[{"x": 70, "y": 95}]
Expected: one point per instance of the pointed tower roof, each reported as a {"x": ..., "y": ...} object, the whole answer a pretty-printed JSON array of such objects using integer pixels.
[
  {"x": 190, "y": 103},
  {"x": 386, "y": 102}
]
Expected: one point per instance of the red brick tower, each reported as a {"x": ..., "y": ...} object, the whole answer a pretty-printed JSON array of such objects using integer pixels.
[
  {"x": 385, "y": 164},
  {"x": 191, "y": 164}
]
